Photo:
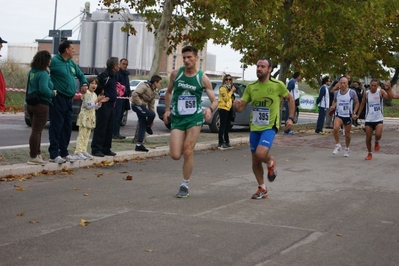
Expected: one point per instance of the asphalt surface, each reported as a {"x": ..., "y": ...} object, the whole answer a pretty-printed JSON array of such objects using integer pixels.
[{"x": 322, "y": 209}]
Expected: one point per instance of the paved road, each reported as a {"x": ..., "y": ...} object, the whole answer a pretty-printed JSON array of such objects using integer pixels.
[{"x": 321, "y": 210}]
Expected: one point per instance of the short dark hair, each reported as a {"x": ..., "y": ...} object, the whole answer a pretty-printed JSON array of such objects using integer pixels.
[
  {"x": 296, "y": 74},
  {"x": 111, "y": 62},
  {"x": 190, "y": 49},
  {"x": 155, "y": 78},
  {"x": 120, "y": 61},
  {"x": 325, "y": 79},
  {"x": 63, "y": 46},
  {"x": 41, "y": 60},
  {"x": 268, "y": 61}
]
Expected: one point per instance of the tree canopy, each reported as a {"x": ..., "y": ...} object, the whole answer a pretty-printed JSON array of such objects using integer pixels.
[{"x": 358, "y": 37}]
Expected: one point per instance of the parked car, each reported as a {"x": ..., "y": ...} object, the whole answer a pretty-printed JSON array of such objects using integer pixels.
[
  {"x": 134, "y": 83},
  {"x": 241, "y": 119},
  {"x": 76, "y": 105}
]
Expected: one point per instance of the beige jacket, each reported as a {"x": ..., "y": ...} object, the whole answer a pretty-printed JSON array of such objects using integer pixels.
[{"x": 144, "y": 94}]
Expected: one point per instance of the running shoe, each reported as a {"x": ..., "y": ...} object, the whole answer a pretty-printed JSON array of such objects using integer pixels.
[
  {"x": 71, "y": 158},
  {"x": 80, "y": 156},
  {"x": 228, "y": 146},
  {"x": 183, "y": 192},
  {"x": 347, "y": 152},
  {"x": 141, "y": 148},
  {"x": 272, "y": 171},
  {"x": 36, "y": 161},
  {"x": 369, "y": 156},
  {"x": 58, "y": 160},
  {"x": 289, "y": 133},
  {"x": 377, "y": 146},
  {"x": 88, "y": 155},
  {"x": 222, "y": 147},
  {"x": 337, "y": 148},
  {"x": 261, "y": 193}
]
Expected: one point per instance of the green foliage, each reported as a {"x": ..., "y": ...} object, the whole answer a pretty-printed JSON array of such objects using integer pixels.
[{"x": 311, "y": 36}]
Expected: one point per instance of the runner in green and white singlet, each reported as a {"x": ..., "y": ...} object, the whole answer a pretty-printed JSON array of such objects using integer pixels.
[{"x": 187, "y": 85}]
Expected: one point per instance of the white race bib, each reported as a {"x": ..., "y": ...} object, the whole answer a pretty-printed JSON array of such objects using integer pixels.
[
  {"x": 343, "y": 108},
  {"x": 187, "y": 104},
  {"x": 374, "y": 108},
  {"x": 260, "y": 116}
]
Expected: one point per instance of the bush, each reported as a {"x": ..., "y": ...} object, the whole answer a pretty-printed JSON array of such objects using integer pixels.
[{"x": 15, "y": 76}]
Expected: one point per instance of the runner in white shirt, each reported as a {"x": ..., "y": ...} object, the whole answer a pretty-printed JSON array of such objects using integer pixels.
[
  {"x": 373, "y": 100},
  {"x": 342, "y": 105}
]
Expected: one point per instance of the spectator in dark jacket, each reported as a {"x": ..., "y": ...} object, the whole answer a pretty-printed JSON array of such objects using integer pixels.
[
  {"x": 102, "y": 136},
  {"x": 122, "y": 76},
  {"x": 323, "y": 102}
]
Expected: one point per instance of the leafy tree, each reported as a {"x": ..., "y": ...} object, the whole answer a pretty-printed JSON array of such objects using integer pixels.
[{"x": 359, "y": 37}]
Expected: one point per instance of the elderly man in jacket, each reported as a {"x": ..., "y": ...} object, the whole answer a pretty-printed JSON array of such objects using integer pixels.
[{"x": 143, "y": 102}]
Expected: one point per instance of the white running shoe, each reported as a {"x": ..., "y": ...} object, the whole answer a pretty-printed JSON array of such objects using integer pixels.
[
  {"x": 347, "y": 152},
  {"x": 80, "y": 156},
  {"x": 87, "y": 155},
  {"x": 36, "y": 161},
  {"x": 71, "y": 158},
  {"x": 338, "y": 147},
  {"x": 57, "y": 159}
]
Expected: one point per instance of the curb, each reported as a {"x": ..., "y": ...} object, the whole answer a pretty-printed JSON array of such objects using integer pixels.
[{"x": 25, "y": 169}]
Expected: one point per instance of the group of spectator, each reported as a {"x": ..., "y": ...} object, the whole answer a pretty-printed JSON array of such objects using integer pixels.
[{"x": 52, "y": 86}]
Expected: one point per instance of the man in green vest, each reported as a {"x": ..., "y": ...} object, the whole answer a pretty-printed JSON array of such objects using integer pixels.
[{"x": 187, "y": 116}]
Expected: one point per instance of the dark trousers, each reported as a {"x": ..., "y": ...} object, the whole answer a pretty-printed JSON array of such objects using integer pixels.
[
  {"x": 60, "y": 126},
  {"x": 320, "y": 119},
  {"x": 38, "y": 115},
  {"x": 146, "y": 118},
  {"x": 225, "y": 124},
  {"x": 118, "y": 112},
  {"x": 102, "y": 135}
]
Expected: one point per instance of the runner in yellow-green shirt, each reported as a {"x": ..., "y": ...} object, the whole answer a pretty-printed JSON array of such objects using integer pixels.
[{"x": 265, "y": 96}]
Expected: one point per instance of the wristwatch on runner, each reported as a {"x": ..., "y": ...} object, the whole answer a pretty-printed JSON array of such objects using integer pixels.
[{"x": 292, "y": 119}]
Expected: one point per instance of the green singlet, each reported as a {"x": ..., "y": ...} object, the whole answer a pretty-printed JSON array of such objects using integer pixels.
[
  {"x": 265, "y": 100},
  {"x": 186, "y": 101}
]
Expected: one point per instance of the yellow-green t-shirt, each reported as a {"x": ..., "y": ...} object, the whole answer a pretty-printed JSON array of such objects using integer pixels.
[{"x": 265, "y": 101}]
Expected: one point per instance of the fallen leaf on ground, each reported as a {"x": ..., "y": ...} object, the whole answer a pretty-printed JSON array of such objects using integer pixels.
[
  {"x": 21, "y": 214},
  {"x": 33, "y": 222},
  {"x": 149, "y": 250},
  {"x": 83, "y": 222},
  {"x": 75, "y": 188},
  {"x": 19, "y": 188},
  {"x": 85, "y": 194}
]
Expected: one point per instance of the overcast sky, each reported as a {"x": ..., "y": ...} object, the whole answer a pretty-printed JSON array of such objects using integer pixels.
[{"x": 24, "y": 21}]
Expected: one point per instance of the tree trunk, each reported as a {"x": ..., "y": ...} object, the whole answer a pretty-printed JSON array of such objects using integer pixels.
[
  {"x": 161, "y": 34},
  {"x": 284, "y": 68}
]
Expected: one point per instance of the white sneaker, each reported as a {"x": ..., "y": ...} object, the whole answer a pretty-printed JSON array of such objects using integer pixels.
[
  {"x": 57, "y": 159},
  {"x": 347, "y": 153},
  {"x": 71, "y": 158},
  {"x": 36, "y": 161},
  {"x": 80, "y": 156},
  {"x": 87, "y": 155},
  {"x": 338, "y": 147}
]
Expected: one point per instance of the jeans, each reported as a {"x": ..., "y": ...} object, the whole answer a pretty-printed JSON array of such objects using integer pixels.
[
  {"x": 225, "y": 124},
  {"x": 320, "y": 119},
  {"x": 102, "y": 135},
  {"x": 146, "y": 118},
  {"x": 118, "y": 112},
  {"x": 60, "y": 126},
  {"x": 38, "y": 115}
]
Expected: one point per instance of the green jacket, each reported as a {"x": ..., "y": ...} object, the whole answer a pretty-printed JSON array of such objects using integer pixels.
[
  {"x": 39, "y": 81},
  {"x": 63, "y": 73}
]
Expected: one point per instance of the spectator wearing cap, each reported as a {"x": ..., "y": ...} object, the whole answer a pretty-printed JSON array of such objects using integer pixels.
[{"x": 2, "y": 84}]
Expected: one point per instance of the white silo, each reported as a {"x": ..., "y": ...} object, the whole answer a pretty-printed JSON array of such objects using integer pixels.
[
  {"x": 119, "y": 40},
  {"x": 137, "y": 46},
  {"x": 87, "y": 45},
  {"x": 103, "y": 43}
]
